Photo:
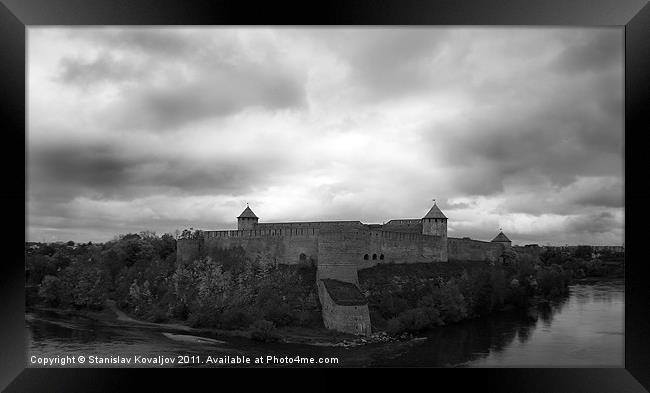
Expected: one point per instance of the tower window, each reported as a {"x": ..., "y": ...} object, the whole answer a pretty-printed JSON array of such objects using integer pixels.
[
  {"x": 366, "y": 257},
  {"x": 374, "y": 257},
  {"x": 381, "y": 257}
]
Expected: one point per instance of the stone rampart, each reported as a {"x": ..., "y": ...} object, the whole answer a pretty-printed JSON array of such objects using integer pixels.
[
  {"x": 473, "y": 250},
  {"x": 400, "y": 247},
  {"x": 287, "y": 246},
  {"x": 349, "y": 317},
  {"x": 339, "y": 254}
]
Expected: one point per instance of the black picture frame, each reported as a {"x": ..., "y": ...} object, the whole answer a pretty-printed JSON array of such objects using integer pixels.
[{"x": 634, "y": 15}]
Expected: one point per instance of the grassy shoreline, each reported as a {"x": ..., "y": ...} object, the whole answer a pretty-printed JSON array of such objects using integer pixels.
[{"x": 289, "y": 335}]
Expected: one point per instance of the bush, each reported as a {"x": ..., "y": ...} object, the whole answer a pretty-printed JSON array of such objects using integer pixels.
[
  {"x": 280, "y": 314},
  {"x": 310, "y": 318},
  {"x": 453, "y": 306},
  {"x": 576, "y": 266},
  {"x": 553, "y": 281},
  {"x": 394, "y": 327},
  {"x": 447, "y": 300},
  {"x": 553, "y": 257},
  {"x": 391, "y": 305},
  {"x": 597, "y": 268},
  {"x": 50, "y": 290},
  {"x": 157, "y": 315},
  {"x": 235, "y": 319},
  {"x": 263, "y": 330},
  {"x": 485, "y": 291},
  {"x": 414, "y": 320},
  {"x": 203, "y": 317}
]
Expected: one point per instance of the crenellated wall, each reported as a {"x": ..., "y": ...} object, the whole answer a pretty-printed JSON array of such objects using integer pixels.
[
  {"x": 473, "y": 250},
  {"x": 405, "y": 225},
  {"x": 288, "y": 245}
]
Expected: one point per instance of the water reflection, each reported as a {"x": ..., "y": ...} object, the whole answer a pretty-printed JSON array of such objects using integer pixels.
[
  {"x": 463, "y": 342},
  {"x": 584, "y": 329}
]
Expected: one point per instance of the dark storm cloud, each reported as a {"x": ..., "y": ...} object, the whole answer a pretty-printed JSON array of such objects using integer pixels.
[
  {"x": 203, "y": 77},
  {"x": 561, "y": 135},
  {"x": 591, "y": 52},
  {"x": 103, "y": 68},
  {"x": 607, "y": 195},
  {"x": 222, "y": 92},
  {"x": 113, "y": 171},
  {"x": 165, "y": 42},
  {"x": 593, "y": 223},
  {"x": 62, "y": 172}
]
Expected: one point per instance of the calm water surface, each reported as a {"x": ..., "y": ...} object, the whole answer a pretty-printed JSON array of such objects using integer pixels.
[{"x": 584, "y": 330}]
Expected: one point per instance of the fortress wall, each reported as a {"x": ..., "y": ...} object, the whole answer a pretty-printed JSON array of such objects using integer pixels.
[
  {"x": 473, "y": 250},
  {"x": 187, "y": 250},
  {"x": 348, "y": 319},
  {"x": 324, "y": 225},
  {"x": 340, "y": 253},
  {"x": 375, "y": 242},
  {"x": 399, "y": 247},
  {"x": 409, "y": 226},
  {"x": 373, "y": 246},
  {"x": 263, "y": 231},
  {"x": 435, "y": 248},
  {"x": 285, "y": 246}
]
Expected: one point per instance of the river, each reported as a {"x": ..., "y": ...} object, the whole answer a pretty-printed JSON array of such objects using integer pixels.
[{"x": 586, "y": 329}]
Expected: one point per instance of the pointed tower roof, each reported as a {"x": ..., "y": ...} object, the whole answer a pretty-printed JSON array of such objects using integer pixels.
[
  {"x": 501, "y": 238},
  {"x": 247, "y": 213},
  {"x": 435, "y": 212}
]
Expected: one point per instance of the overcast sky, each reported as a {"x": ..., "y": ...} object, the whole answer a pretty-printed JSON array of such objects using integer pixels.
[{"x": 133, "y": 129}]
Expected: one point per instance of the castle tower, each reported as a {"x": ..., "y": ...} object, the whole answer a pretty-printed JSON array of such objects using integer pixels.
[
  {"x": 247, "y": 219},
  {"x": 502, "y": 239},
  {"x": 434, "y": 223}
]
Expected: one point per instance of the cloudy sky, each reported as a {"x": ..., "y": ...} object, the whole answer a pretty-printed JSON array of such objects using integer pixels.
[{"x": 133, "y": 129}]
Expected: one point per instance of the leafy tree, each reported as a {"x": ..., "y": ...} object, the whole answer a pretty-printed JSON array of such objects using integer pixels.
[
  {"x": 263, "y": 330},
  {"x": 50, "y": 290}
]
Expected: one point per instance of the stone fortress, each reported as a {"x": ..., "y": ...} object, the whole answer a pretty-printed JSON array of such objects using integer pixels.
[{"x": 338, "y": 249}]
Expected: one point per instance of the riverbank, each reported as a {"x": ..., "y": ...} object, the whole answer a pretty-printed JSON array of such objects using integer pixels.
[
  {"x": 585, "y": 330},
  {"x": 290, "y": 335},
  {"x": 596, "y": 280},
  {"x": 180, "y": 331},
  {"x": 321, "y": 337}
]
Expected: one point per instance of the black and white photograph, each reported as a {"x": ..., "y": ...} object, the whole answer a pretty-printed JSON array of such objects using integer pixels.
[{"x": 366, "y": 196}]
